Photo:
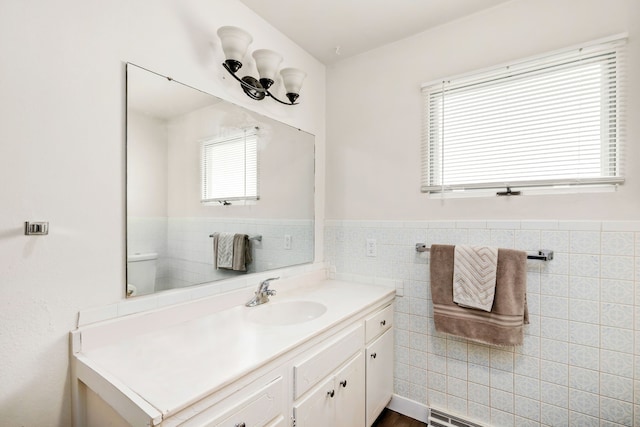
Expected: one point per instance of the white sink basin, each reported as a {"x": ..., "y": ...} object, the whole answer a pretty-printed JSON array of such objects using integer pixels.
[{"x": 286, "y": 313}]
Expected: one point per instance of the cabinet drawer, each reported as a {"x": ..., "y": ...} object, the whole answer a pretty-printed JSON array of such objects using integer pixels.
[
  {"x": 320, "y": 364},
  {"x": 379, "y": 322},
  {"x": 257, "y": 410}
]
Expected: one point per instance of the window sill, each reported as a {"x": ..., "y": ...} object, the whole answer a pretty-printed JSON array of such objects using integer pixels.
[
  {"x": 531, "y": 191},
  {"x": 230, "y": 203}
]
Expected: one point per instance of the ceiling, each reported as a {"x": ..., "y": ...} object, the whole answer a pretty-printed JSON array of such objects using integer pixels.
[{"x": 354, "y": 26}]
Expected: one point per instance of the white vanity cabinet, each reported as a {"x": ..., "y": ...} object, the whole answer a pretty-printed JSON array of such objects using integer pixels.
[
  {"x": 329, "y": 383},
  {"x": 379, "y": 360},
  {"x": 338, "y": 401},
  {"x": 356, "y": 393},
  {"x": 333, "y": 371}
]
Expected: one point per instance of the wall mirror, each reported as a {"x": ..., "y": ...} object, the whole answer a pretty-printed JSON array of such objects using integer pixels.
[{"x": 185, "y": 183}]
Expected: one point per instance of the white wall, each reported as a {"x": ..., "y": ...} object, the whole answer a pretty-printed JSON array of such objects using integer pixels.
[
  {"x": 374, "y": 111},
  {"x": 146, "y": 166},
  {"x": 62, "y": 160},
  {"x": 577, "y": 364}
]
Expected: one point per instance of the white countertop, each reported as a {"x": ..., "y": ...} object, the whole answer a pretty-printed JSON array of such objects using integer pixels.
[{"x": 176, "y": 366}]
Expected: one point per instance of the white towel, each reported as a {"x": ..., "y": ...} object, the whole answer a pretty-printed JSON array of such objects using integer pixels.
[
  {"x": 224, "y": 256},
  {"x": 474, "y": 276}
]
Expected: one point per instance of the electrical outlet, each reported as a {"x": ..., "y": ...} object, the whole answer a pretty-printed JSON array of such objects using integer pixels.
[
  {"x": 372, "y": 248},
  {"x": 287, "y": 241}
]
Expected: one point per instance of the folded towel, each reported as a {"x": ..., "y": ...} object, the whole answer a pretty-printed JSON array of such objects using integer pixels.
[
  {"x": 224, "y": 250},
  {"x": 504, "y": 325},
  {"x": 474, "y": 276},
  {"x": 231, "y": 251}
]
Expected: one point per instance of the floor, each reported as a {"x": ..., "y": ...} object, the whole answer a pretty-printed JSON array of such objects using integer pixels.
[{"x": 389, "y": 418}]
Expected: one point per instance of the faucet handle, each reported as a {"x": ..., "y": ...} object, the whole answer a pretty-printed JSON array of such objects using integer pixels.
[{"x": 265, "y": 283}]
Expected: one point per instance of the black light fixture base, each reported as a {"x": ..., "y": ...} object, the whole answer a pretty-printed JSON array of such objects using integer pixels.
[
  {"x": 266, "y": 83},
  {"x": 253, "y": 88},
  {"x": 233, "y": 65},
  {"x": 292, "y": 97}
]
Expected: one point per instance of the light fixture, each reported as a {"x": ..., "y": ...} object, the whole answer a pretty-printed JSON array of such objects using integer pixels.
[{"x": 235, "y": 42}]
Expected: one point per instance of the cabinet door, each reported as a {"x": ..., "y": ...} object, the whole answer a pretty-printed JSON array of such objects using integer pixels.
[
  {"x": 350, "y": 399},
  {"x": 379, "y": 375},
  {"x": 318, "y": 408}
]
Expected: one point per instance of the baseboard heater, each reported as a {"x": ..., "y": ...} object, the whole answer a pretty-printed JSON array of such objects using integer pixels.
[{"x": 442, "y": 419}]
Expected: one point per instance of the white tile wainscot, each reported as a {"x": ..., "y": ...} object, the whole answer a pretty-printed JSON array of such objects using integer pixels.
[
  {"x": 207, "y": 363},
  {"x": 580, "y": 362}
]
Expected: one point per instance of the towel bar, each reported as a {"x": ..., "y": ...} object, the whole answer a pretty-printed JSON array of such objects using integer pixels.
[
  {"x": 541, "y": 254},
  {"x": 257, "y": 237}
]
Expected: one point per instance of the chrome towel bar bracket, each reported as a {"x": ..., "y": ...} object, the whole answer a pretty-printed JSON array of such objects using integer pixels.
[{"x": 541, "y": 254}]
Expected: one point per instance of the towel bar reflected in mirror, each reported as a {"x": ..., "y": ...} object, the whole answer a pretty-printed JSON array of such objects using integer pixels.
[
  {"x": 541, "y": 254},
  {"x": 257, "y": 237}
]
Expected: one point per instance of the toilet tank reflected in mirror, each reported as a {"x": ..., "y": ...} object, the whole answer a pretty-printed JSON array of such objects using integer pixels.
[{"x": 141, "y": 273}]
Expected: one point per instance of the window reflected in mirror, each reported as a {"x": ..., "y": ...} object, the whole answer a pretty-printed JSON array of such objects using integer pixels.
[{"x": 229, "y": 167}]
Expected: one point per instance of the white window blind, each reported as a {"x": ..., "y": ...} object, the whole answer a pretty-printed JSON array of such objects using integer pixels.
[
  {"x": 555, "y": 120},
  {"x": 230, "y": 168}
]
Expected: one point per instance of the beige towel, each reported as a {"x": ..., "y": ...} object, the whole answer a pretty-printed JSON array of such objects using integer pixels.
[
  {"x": 241, "y": 252},
  {"x": 231, "y": 251},
  {"x": 504, "y": 325},
  {"x": 224, "y": 250},
  {"x": 474, "y": 276}
]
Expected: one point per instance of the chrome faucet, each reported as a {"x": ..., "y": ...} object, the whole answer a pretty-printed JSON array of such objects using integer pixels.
[{"x": 263, "y": 293}]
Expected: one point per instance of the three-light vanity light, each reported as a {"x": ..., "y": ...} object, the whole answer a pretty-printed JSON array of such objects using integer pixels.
[{"x": 235, "y": 42}]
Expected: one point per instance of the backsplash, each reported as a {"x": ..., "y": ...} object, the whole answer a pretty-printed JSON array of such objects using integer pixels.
[{"x": 577, "y": 364}]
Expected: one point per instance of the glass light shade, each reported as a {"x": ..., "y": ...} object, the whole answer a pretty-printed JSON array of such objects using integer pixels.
[
  {"x": 235, "y": 42},
  {"x": 267, "y": 62},
  {"x": 292, "y": 79}
]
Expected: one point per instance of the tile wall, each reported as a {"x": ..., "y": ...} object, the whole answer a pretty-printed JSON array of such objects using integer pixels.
[
  {"x": 185, "y": 249},
  {"x": 576, "y": 367}
]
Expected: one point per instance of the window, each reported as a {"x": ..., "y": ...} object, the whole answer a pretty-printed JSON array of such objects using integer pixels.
[
  {"x": 550, "y": 121},
  {"x": 230, "y": 168}
]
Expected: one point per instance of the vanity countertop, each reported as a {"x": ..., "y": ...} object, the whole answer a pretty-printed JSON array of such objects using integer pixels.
[{"x": 176, "y": 366}]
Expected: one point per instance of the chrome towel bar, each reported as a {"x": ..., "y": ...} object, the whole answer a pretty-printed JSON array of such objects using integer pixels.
[
  {"x": 257, "y": 237},
  {"x": 541, "y": 254}
]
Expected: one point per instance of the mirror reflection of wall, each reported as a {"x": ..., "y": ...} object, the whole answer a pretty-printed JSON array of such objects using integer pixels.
[{"x": 168, "y": 223}]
